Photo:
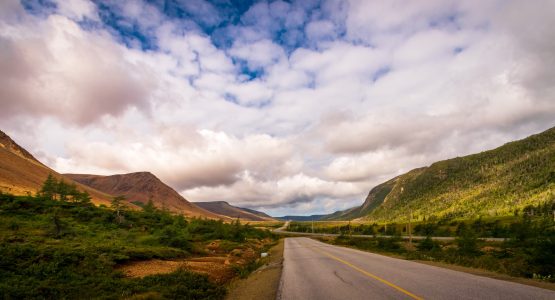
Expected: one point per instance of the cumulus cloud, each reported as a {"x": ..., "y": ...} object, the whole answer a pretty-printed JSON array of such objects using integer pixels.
[
  {"x": 77, "y": 9},
  {"x": 55, "y": 68},
  {"x": 288, "y": 107},
  {"x": 186, "y": 158}
]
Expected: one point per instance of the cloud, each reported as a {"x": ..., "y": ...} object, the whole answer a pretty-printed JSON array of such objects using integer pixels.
[
  {"x": 77, "y": 9},
  {"x": 183, "y": 157},
  {"x": 290, "y": 190},
  {"x": 289, "y": 107},
  {"x": 55, "y": 68},
  {"x": 259, "y": 54}
]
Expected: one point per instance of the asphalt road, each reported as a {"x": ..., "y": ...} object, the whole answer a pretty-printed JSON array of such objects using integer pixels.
[{"x": 315, "y": 270}]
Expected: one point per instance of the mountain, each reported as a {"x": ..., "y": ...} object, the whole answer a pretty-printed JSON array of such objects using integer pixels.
[
  {"x": 258, "y": 213},
  {"x": 139, "y": 187},
  {"x": 224, "y": 208},
  {"x": 21, "y": 173},
  {"x": 494, "y": 182},
  {"x": 303, "y": 218}
]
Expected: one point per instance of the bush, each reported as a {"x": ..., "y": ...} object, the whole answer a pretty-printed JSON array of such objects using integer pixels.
[
  {"x": 389, "y": 244},
  {"x": 467, "y": 243},
  {"x": 427, "y": 244}
]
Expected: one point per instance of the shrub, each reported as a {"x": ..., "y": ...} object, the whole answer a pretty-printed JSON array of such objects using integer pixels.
[
  {"x": 467, "y": 243},
  {"x": 427, "y": 244}
]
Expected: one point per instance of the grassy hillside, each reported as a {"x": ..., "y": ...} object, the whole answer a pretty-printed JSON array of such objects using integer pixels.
[
  {"x": 53, "y": 249},
  {"x": 492, "y": 183}
]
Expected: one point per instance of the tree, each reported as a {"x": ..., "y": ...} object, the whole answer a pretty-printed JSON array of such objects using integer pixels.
[
  {"x": 72, "y": 191},
  {"x": 84, "y": 197},
  {"x": 427, "y": 244},
  {"x": 149, "y": 206},
  {"x": 49, "y": 187},
  {"x": 467, "y": 242},
  {"x": 63, "y": 190},
  {"x": 117, "y": 205}
]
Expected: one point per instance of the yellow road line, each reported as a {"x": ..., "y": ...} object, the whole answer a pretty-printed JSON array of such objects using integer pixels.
[{"x": 413, "y": 296}]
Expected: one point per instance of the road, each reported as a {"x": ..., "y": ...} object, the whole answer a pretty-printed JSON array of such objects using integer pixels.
[
  {"x": 315, "y": 270},
  {"x": 283, "y": 230}
]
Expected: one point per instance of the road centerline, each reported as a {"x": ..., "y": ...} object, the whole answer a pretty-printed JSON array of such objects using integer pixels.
[{"x": 398, "y": 288}]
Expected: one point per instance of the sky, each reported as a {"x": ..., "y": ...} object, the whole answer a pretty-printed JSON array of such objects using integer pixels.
[{"x": 296, "y": 107}]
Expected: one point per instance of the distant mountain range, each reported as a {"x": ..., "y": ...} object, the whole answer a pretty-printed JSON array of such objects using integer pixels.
[
  {"x": 302, "y": 218},
  {"x": 234, "y": 212},
  {"x": 495, "y": 182},
  {"x": 22, "y": 173}
]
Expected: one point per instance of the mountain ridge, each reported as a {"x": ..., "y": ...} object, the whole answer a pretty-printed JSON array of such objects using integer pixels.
[
  {"x": 226, "y": 209},
  {"x": 493, "y": 182}
]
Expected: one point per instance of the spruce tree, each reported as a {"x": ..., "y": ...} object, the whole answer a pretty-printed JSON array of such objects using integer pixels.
[
  {"x": 49, "y": 187},
  {"x": 62, "y": 190},
  {"x": 84, "y": 197}
]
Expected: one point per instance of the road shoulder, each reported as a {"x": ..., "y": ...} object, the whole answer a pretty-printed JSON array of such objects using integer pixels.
[{"x": 263, "y": 283}]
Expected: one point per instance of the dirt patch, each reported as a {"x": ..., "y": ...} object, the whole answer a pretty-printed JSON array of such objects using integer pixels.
[
  {"x": 220, "y": 267},
  {"x": 150, "y": 267},
  {"x": 215, "y": 267},
  {"x": 263, "y": 283}
]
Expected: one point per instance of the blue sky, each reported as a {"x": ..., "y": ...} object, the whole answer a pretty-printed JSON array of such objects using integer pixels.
[{"x": 294, "y": 107}]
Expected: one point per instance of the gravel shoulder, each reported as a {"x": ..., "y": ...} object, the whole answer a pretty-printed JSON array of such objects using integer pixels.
[{"x": 263, "y": 283}]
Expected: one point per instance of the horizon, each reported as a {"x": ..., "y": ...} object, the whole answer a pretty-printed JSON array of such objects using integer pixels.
[{"x": 290, "y": 108}]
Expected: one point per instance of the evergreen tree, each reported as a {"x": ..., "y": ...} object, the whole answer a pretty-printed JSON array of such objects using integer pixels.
[
  {"x": 62, "y": 190},
  {"x": 149, "y": 206},
  {"x": 467, "y": 243},
  {"x": 49, "y": 187},
  {"x": 84, "y": 197},
  {"x": 73, "y": 192},
  {"x": 117, "y": 205}
]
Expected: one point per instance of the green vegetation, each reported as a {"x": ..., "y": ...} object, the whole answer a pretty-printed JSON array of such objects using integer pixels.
[
  {"x": 529, "y": 250},
  {"x": 55, "y": 245},
  {"x": 497, "y": 227},
  {"x": 494, "y": 183}
]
